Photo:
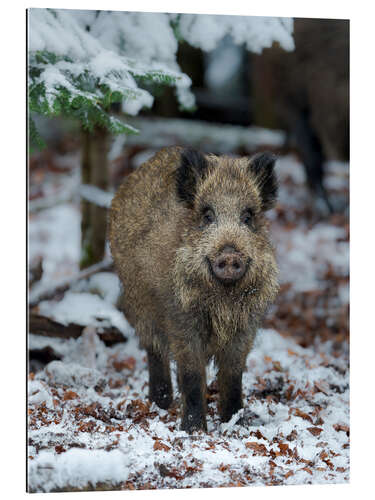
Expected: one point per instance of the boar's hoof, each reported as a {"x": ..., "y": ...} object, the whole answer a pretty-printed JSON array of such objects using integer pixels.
[
  {"x": 193, "y": 422},
  {"x": 162, "y": 396},
  {"x": 231, "y": 407}
]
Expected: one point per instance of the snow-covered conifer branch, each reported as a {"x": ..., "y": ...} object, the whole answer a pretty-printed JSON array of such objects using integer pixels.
[{"x": 81, "y": 62}]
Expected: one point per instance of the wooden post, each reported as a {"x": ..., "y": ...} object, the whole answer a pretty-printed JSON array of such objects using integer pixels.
[{"x": 94, "y": 171}]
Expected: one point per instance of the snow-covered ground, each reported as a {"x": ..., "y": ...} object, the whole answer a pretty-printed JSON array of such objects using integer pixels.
[
  {"x": 91, "y": 425},
  {"x": 96, "y": 426}
]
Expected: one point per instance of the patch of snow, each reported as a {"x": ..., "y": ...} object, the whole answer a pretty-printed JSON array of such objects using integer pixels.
[
  {"x": 84, "y": 309},
  {"x": 38, "y": 392},
  {"x": 107, "y": 285},
  {"x": 80, "y": 466},
  {"x": 223, "y": 64},
  {"x": 289, "y": 167},
  {"x": 62, "y": 347},
  {"x": 300, "y": 249},
  {"x": 133, "y": 106},
  {"x": 55, "y": 236},
  {"x": 142, "y": 157},
  {"x": 73, "y": 375},
  {"x": 337, "y": 176},
  {"x": 117, "y": 147}
]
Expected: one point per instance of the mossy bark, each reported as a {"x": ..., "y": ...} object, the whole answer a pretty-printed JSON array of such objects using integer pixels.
[{"x": 94, "y": 171}]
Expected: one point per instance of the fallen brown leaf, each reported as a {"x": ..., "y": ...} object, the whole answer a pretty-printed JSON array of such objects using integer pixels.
[
  {"x": 315, "y": 431},
  {"x": 68, "y": 395},
  {"x": 284, "y": 448},
  {"x": 127, "y": 363},
  {"x": 223, "y": 468},
  {"x": 258, "y": 448},
  {"x": 341, "y": 427},
  {"x": 303, "y": 415},
  {"x": 158, "y": 445}
]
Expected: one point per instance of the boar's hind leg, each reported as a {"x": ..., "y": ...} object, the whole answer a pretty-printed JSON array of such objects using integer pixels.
[
  {"x": 192, "y": 385},
  {"x": 160, "y": 384}
]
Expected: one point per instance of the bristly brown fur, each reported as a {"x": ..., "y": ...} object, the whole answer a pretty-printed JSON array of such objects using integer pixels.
[{"x": 162, "y": 252}]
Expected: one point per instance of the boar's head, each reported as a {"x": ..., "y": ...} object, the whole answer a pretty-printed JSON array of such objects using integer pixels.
[{"x": 226, "y": 254}]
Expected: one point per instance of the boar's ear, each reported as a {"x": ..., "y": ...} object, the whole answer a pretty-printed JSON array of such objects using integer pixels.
[
  {"x": 262, "y": 165},
  {"x": 192, "y": 167}
]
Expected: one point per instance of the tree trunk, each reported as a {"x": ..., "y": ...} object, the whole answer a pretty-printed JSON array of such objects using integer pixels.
[{"x": 94, "y": 218}]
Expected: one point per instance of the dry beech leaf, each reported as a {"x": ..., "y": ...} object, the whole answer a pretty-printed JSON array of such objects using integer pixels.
[
  {"x": 127, "y": 363},
  {"x": 303, "y": 415},
  {"x": 341, "y": 427},
  {"x": 284, "y": 448},
  {"x": 223, "y": 468},
  {"x": 68, "y": 395},
  {"x": 158, "y": 445},
  {"x": 315, "y": 431},
  {"x": 258, "y": 448}
]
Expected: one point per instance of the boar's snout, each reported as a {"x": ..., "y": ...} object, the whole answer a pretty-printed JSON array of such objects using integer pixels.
[{"x": 229, "y": 266}]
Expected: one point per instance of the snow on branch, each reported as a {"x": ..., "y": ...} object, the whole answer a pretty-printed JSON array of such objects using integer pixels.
[
  {"x": 45, "y": 293},
  {"x": 96, "y": 195},
  {"x": 80, "y": 62},
  {"x": 257, "y": 33}
]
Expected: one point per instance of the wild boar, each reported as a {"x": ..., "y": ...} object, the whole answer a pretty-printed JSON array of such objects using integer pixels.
[{"x": 190, "y": 244}]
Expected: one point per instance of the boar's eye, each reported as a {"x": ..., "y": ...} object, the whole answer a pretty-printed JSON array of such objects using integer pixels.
[
  {"x": 247, "y": 217},
  {"x": 208, "y": 216}
]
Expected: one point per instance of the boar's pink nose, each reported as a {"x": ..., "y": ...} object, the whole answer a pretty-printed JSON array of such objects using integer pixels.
[{"x": 229, "y": 266}]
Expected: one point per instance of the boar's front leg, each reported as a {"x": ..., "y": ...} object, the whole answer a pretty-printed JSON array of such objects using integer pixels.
[
  {"x": 160, "y": 385},
  {"x": 231, "y": 365},
  {"x": 192, "y": 384}
]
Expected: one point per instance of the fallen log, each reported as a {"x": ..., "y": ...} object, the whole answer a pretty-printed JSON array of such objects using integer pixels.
[
  {"x": 37, "y": 296},
  {"x": 41, "y": 325}
]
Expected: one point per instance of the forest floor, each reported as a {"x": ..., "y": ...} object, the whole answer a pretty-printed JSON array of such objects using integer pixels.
[{"x": 91, "y": 425}]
